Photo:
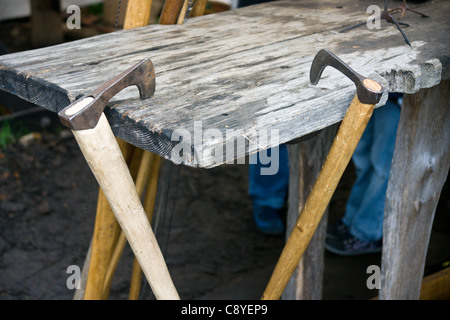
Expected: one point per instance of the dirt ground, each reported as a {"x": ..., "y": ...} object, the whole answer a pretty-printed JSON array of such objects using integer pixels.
[{"x": 205, "y": 227}]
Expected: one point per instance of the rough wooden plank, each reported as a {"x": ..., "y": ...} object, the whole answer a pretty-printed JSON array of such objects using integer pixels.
[
  {"x": 246, "y": 70},
  {"x": 419, "y": 168}
]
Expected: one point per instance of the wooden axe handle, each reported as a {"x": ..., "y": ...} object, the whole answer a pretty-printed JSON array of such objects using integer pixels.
[
  {"x": 102, "y": 153},
  {"x": 344, "y": 144},
  {"x": 171, "y": 11}
]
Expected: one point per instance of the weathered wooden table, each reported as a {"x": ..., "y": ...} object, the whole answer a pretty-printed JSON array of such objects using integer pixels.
[{"x": 244, "y": 72}]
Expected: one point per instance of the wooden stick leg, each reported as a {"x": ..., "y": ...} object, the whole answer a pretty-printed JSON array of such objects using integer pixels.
[
  {"x": 79, "y": 293},
  {"x": 105, "y": 235},
  {"x": 149, "y": 206},
  {"x": 419, "y": 168},
  {"x": 136, "y": 162},
  {"x": 305, "y": 161},
  {"x": 341, "y": 151},
  {"x": 142, "y": 165},
  {"x": 137, "y": 14},
  {"x": 103, "y": 156}
]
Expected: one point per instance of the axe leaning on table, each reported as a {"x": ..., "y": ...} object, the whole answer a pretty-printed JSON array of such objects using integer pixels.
[
  {"x": 144, "y": 165},
  {"x": 145, "y": 168},
  {"x": 107, "y": 234},
  {"x": 109, "y": 241},
  {"x": 173, "y": 12},
  {"x": 350, "y": 131},
  {"x": 152, "y": 161},
  {"x": 99, "y": 146},
  {"x": 148, "y": 172}
]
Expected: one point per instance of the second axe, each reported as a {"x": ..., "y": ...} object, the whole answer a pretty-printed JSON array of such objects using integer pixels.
[{"x": 368, "y": 94}]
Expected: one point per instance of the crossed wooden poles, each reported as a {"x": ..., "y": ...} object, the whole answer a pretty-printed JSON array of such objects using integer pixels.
[
  {"x": 109, "y": 240},
  {"x": 124, "y": 172}
]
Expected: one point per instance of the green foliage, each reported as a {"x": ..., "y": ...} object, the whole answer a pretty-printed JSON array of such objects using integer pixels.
[
  {"x": 96, "y": 9},
  {"x": 6, "y": 136}
]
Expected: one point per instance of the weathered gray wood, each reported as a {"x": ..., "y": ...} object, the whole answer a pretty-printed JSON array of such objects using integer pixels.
[
  {"x": 245, "y": 70},
  {"x": 419, "y": 169},
  {"x": 305, "y": 161}
]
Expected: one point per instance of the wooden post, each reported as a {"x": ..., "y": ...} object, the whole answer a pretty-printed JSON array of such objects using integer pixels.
[
  {"x": 419, "y": 169},
  {"x": 170, "y": 11},
  {"x": 199, "y": 8},
  {"x": 46, "y": 23},
  {"x": 137, "y": 14},
  {"x": 305, "y": 161}
]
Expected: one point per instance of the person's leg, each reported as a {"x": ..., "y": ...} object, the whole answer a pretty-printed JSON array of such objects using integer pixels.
[
  {"x": 367, "y": 223},
  {"x": 362, "y": 162},
  {"x": 269, "y": 192},
  {"x": 361, "y": 228}
]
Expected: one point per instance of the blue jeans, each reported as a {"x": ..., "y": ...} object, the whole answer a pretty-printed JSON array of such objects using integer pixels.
[
  {"x": 372, "y": 159},
  {"x": 270, "y": 190}
]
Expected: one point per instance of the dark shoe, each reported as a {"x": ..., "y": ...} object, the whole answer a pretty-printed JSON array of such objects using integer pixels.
[
  {"x": 268, "y": 220},
  {"x": 338, "y": 229},
  {"x": 352, "y": 246}
]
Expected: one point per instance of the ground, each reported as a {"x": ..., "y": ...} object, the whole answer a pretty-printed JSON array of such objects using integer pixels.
[{"x": 204, "y": 227}]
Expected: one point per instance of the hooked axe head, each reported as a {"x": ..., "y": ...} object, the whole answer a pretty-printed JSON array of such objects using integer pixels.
[
  {"x": 85, "y": 112},
  {"x": 368, "y": 91}
]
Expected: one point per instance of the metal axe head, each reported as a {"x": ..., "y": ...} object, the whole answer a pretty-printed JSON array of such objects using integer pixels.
[
  {"x": 85, "y": 112},
  {"x": 368, "y": 91}
]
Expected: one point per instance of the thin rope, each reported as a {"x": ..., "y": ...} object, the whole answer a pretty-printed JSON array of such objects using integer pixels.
[{"x": 117, "y": 15}]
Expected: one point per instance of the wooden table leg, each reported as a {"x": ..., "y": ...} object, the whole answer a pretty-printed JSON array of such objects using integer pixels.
[
  {"x": 106, "y": 233},
  {"x": 419, "y": 170},
  {"x": 305, "y": 161}
]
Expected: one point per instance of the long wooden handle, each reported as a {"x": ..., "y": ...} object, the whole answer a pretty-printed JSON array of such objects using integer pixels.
[
  {"x": 144, "y": 160},
  {"x": 149, "y": 206},
  {"x": 344, "y": 144},
  {"x": 137, "y": 13},
  {"x": 103, "y": 156},
  {"x": 170, "y": 11}
]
